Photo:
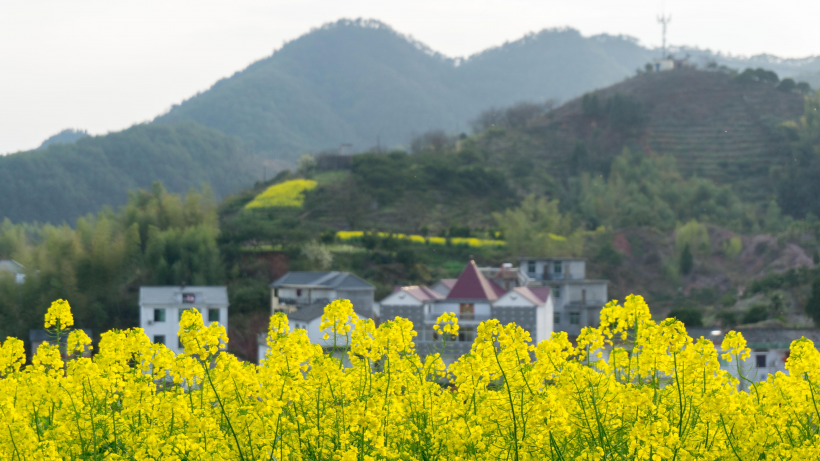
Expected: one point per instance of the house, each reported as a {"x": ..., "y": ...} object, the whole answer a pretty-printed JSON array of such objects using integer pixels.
[
  {"x": 161, "y": 309},
  {"x": 770, "y": 349},
  {"x": 444, "y": 286},
  {"x": 577, "y": 300},
  {"x": 15, "y": 268},
  {"x": 38, "y": 337},
  {"x": 303, "y": 289},
  {"x": 661, "y": 65},
  {"x": 506, "y": 276},
  {"x": 473, "y": 299}
]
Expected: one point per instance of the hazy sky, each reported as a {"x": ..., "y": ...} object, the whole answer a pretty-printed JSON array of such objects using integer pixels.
[{"x": 104, "y": 65}]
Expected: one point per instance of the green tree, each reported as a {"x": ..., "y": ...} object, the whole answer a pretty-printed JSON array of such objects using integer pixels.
[
  {"x": 686, "y": 260},
  {"x": 537, "y": 228},
  {"x": 813, "y": 305}
]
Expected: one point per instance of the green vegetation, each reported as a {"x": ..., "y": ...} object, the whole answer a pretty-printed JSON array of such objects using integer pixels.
[
  {"x": 157, "y": 238},
  {"x": 65, "y": 181},
  {"x": 798, "y": 188}
]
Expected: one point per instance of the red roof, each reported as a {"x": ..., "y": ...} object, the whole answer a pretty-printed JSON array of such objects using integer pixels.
[{"x": 471, "y": 284}]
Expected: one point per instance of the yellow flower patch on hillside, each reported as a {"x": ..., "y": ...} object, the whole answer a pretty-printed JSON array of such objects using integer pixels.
[
  {"x": 286, "y": 194},
  {"x": 473, "y": 242}
]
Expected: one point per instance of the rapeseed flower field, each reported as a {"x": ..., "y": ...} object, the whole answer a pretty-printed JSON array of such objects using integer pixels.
[
  {"x": 346, "y": 236},
  {"x": 285, "y": 194},
  {"x": 631, "y": 389}
]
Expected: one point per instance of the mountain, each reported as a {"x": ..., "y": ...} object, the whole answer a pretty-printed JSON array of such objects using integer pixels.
[
  {"x": 65, "y": 181},
  {"x": 66, "y": 136},
  {"x": 361, "y": 82}
]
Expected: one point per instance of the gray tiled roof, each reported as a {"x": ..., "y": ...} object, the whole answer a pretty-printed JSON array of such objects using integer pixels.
[
  {"x": 173, "y": 294},
  {"x": 761, "y": 338},
  {"x": 332, "y": 279},
  {"x": 306, "y": 314}
]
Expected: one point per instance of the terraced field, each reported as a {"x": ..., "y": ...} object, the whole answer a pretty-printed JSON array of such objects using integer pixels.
[{"x": 715, "y": 126}]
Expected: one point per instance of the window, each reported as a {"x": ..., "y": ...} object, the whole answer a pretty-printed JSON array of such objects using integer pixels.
[
  {"x": 760, "y": 360},
  {"x": 188, "y": 298},
  {"x": 531, "y": 267},
  {"x": 159, "y": 315},
  {"x": 556, "y": 318},
  {"x": 557, "y": 267},
  {"x": 213, "y": 315},
  {"x": 298, "y": 292},
  {"x": 556, "y": 291},
  {"x": 159, "y": 339},
  {"x": 179, "y": 343},
  {"x": 183, "y": 310},
  {"x": 574, "y": 318},
  {"x": 466, "y": 311}
]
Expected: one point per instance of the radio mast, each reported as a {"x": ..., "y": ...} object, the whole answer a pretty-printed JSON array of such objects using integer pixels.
[{"x": 664, "y": 20}]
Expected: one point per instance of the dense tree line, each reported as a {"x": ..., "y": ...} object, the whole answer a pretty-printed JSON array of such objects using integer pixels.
[{"x": 156, "y": 238}]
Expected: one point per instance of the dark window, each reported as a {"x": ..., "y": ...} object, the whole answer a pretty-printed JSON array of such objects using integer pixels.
[
  {"x": 188, "y": 298},
  {"x": 298, "y": 292},
  {"x": 557, "y": 292},
  {"x": 531, "y": 267},
  {"x": 760, "y": 361},
  {"x": 556, "y": 318},
  {"x": 159, "y": 339},
  {"x": 159, "y": 315},
  {"x": 213, "y": 315},
  {"x": 179, "y": 343},
  {"x": 574, "y": 318},
  {"x": 557, "y": 268}
]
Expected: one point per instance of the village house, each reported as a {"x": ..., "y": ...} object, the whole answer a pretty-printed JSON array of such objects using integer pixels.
[
  {"x": 13, "y": 267},
  {"x": 577, "y": 300},
  {"x": 473, "y": 299},
  {"x": 770, "y": 349},
  {"x": 304, "y": 289},
  {"x": 161, "y": 309}
]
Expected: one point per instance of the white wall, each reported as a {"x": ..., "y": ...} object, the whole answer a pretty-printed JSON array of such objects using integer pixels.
[
  {"x": 170, "y": 327},
  {"x": 543, "y": 321},
  {"x": 307, "y": 295}
]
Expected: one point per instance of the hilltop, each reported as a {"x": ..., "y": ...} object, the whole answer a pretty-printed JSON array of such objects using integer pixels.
[
  {"x": 63, "y": 181},
  {"x": 712, "y": 123},
  {"x": 361, "y": 82}
]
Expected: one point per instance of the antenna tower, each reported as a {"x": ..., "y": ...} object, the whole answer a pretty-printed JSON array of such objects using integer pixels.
[{"x": 664, "y": 20}]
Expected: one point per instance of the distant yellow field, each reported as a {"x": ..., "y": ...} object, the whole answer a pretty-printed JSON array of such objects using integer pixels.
[
  {"x": 469, "y": 241},
  {"x": 287, "y": 194}
]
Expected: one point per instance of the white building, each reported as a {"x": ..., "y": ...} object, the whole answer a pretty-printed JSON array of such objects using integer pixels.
[
  {"x": 15, "y": 268},
  {"x": 304, "y": 289},
  {"x": 578, "y": 300},
  {"x": 473, "y": 299},
  {"x": 161, "y": 309},
  {"x": 770, "y": 349}
]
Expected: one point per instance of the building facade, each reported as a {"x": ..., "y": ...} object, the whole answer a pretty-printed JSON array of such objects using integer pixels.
[
  {"x": 304, "y": 289},
  {"x": 577, "y": 300},
  {"x": 161, "y": 309},
  {"x": 473, "y": 299}
]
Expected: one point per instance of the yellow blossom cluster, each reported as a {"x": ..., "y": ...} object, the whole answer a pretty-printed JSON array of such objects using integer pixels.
[
  {"x": 631, "y": 389},
  {"x": 285, "y": 194},
  {"x": 346, "y": 236}
]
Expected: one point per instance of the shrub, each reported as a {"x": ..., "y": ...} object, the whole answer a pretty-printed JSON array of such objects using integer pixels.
[{"x": 756, "y": 314}]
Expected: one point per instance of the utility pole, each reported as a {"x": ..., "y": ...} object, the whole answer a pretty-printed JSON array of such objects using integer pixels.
[{"x": 664, "y": 20}]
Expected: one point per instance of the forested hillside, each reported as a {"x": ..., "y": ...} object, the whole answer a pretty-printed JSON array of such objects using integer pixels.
[
  {"x": 64, "y": 181},
  {"x": 359, "y": 81}
]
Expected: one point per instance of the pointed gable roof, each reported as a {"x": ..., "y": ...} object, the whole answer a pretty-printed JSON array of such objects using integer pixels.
[{"x": 471, "y": 284}]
